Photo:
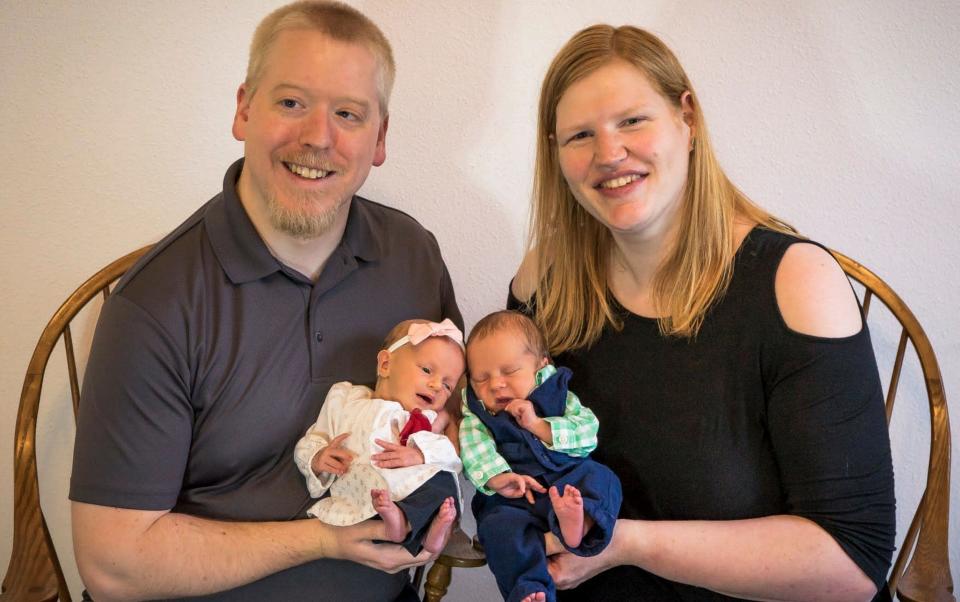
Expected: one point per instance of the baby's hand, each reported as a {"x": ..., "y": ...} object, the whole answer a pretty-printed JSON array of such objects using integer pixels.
[
  {"x": 523, "y": 412},
  {"x": 395, "y": 455},
  {"x": 333, "y": 459},
  {"x": 513, "y": 485},
  {"x": 440, "y": 424}
]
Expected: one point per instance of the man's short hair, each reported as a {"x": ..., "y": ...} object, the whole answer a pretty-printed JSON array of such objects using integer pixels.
[
  {"x": 519, "y": 323},
  {"x": 333, "y": 19}
]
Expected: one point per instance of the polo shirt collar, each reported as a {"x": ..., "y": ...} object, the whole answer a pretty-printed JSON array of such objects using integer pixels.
[{"x": 244, "y": 256}]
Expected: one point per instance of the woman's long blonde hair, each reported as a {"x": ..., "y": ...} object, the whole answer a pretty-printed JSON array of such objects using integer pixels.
[{"x": 573, "y": 301}]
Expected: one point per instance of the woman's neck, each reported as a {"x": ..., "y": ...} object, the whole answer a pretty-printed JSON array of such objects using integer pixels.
[{"x": 634, "y": 263}]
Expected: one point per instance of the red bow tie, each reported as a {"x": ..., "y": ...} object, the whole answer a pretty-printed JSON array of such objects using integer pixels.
[{"x": 418, "y": 422}]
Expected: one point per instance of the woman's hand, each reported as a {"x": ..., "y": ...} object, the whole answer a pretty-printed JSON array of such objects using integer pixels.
[
  {"x": 569, "y": 570},
  {"x": 395, "y": 455}
]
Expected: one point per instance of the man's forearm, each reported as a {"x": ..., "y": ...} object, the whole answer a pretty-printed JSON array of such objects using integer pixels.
[{"x": 131, "y": 554}]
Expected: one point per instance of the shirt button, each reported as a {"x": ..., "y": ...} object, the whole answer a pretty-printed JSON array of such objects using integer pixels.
[
  {"x": 319, "y": 337},
  {"x": 477, "y": 474}
]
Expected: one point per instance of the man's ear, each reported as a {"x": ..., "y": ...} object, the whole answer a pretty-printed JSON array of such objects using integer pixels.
[
  {"x": 383, "y": 364},
  {"x": 380, "y": 154},
  {"x": 242, "y": 115}
]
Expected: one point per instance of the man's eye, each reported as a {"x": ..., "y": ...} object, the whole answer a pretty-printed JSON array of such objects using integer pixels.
[
  {"x": 289, "y": 103},
  {"x": 348, "y": 115}
]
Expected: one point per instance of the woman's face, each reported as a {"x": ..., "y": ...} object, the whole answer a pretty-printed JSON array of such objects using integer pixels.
[{"x": 624, "y": 149}]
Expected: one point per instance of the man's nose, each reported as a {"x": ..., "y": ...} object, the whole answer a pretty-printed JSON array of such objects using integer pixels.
[{"x": 317, "y": 130}]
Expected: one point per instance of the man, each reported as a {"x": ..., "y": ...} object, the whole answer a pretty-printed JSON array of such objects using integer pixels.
[{"x": 215, "y": 351}]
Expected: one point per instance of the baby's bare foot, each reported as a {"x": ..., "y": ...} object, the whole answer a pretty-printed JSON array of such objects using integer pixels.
[
  {"x": 394, "y": 521},
  {"x": 436, "y": 536},
  {"x": 569, "y": 511},
  {"x": 536, "y": 597}
]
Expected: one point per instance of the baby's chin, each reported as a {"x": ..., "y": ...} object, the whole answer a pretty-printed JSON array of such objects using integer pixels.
[{"x": 496, "y": 407}]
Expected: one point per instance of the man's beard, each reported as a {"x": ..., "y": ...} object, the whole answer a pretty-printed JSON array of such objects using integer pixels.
[{"x": 300, "y": 222}]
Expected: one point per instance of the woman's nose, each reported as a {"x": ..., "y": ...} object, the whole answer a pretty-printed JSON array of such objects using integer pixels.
[{"x": 608, "y": 148}]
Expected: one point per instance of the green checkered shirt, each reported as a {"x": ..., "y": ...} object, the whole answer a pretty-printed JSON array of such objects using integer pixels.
[{"x": 574, "y": 433}]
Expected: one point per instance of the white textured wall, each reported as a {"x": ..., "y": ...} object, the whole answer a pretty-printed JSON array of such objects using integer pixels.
[{"x": 115, "y": 118}]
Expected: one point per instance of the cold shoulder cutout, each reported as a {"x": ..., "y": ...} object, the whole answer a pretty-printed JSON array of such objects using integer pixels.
[{"x": 813, "y": 294}]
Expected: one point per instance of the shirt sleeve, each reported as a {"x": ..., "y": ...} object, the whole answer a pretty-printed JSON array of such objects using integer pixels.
[
  {"x": 135, "y": 424},
  {"x": 479, "y": 452},
  {"x": 317, "y": 437},
  {"x": 574, "y": 433},
  {"x": 828, "y": 429},
  {"x": 436, "y": 450}
]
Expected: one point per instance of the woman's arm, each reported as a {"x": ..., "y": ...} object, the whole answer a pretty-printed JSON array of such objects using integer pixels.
[
  {"x": 771, "y": 558},
  {"x": 781, "y": 557}
]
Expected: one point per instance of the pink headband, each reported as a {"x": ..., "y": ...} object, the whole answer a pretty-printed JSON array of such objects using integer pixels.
[{"x": 420, "y": 332}]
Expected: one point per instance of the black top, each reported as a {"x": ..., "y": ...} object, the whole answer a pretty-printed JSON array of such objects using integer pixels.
[
  {"x": 748, "y": 419},
  {"x": 211, "y": 358}
]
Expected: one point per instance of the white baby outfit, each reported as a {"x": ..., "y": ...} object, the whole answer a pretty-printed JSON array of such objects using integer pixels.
[{"x": 352, "y": 409}]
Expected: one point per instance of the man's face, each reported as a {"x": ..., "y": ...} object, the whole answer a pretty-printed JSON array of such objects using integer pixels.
[{"x": 311, "y": 129}]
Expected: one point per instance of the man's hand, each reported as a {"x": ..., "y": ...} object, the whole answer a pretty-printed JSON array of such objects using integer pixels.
[
  {"x": 513, "y": 485},
  {"x": 355, "y": 543},
  {"x": 395, "y": 455},
  {"x": 333, "y": 459}
]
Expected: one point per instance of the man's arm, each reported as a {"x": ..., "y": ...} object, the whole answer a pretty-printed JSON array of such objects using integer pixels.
[{"x": 136, "y": 554}]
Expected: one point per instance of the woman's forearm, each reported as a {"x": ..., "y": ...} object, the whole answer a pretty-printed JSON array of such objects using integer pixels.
[{"x": 771, "y": 558}]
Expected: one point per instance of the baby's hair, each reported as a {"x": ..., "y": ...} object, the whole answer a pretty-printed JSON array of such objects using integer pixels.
[
  {"x": 399, "y": 331},
  {"x": 509, "y": 319}
]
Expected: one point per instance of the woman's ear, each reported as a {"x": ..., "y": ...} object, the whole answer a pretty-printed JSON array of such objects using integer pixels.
[
  {"x": 687, "y": 113},
  {"x": 383, "y": 364}
]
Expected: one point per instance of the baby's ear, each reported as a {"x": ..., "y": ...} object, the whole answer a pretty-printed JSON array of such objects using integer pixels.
[
  {"x": 543, "y": 362},
  {"x": 383, "y": 364}
]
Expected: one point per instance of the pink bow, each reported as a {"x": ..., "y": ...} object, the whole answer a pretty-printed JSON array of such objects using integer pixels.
[{"x": 420, "y": 332}]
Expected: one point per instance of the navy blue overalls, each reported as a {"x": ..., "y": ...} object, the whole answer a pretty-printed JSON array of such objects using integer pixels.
[{"x": 512, "y": 530}]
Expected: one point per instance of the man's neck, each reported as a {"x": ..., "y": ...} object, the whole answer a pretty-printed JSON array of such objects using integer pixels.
[{"x": 307, "y": 256}]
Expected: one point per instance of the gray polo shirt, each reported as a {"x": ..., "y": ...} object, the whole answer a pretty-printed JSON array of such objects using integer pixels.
[{"x": 211, "y": 358}]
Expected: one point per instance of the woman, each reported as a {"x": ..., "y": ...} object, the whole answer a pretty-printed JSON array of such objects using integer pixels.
[{"x": 735, "y": 383}]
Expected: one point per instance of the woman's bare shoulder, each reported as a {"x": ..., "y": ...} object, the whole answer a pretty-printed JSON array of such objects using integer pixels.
[{"x": 814, "y": 295}]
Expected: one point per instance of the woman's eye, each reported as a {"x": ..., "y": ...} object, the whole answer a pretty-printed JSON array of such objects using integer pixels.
[
  {"x": 578, "y": 136},
  {"x": 634, "y": 121}
]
